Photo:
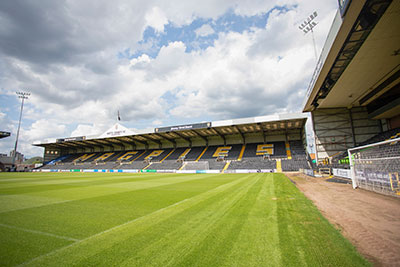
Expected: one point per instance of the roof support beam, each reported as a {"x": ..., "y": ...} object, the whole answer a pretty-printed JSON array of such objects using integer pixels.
[
  {"x": 120, "y": 143},
  {"x": 172, "y": 141},
  {"x": 201, "y": 136},
  {"x": 153, "y": 140},
  {"x": 146, "y": 145},
  {"x": 127, "y": 143},
  {"x": 184, "y": 138},
  {"x": 263, "y": 132},
  {"x": 370, "y": 96},
  {"x": 90, "y": 147},
  {"x": 83, "y": 145},
  {"x": 241, "y": 134},
  {"x": 220, "y": 135},
  {"x": 102, "y": 145},
  {"x": 71, "y": 145}
]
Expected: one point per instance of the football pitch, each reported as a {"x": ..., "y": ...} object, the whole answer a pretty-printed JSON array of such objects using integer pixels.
[{"x": 115, "y": 219}]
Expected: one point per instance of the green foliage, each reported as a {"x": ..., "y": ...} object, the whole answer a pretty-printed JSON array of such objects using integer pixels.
[
  {"x": 89, "y": 219},
  {"x": 34, "y": 160}
]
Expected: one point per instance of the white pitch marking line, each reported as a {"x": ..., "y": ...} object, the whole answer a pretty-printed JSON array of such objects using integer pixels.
[
  {"x": 39, "y": 232},
  {"x": 234, "y": 182},
  {"x": 102, "y": 232},
  {"x": 107, "y": 194}
]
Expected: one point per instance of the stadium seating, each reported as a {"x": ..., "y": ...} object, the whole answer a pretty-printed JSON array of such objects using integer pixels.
[
  {"x": 178, "y": 152},
  {"x": 135, "y": 165},
  {"x": 216, "y": 165},
  {"x": 228, "y": 152},
  {"x": 194, "y": 153},
  {"x": 259, "y": 156},
  {"x": 294, "y": 165},
  {"x": 341, "y": 160},
  {"x": 391, "y": 134},
  {"x": 166, "y": 165},
  {"x": 253, "y": 164}
]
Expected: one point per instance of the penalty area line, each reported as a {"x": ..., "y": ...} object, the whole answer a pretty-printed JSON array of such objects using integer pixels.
[
  {"x": 101, "y": 233},
  {"x": 39, "y": 232},
  {"x": 214, "y": 190}
]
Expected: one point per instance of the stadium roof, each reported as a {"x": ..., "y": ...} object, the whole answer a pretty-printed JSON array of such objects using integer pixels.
[
  {"x": 360, "y": 62},
  {"x": 171, "y": 134},
  {"x": 4, "y": 134}
]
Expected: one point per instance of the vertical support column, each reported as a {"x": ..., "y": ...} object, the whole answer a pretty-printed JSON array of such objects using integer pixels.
[
  {"x": 315, "y": 138},
  {"x": 380, "y": 126},
  {"x": 352, "y": 128},
  {"x": 301, "y": 133}
]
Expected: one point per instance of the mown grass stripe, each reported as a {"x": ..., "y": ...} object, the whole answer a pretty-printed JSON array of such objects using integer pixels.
[
  {"x": 174, "y": 220},
  {"x": 57, "y": 184},
  {"x": 147, "y": 238},
  {"x": 60, "y": 182},
  {"x": 259, "y": 237},
  {"x": 83, "y": 218},
  {"x": 305, "y": 236},
  {"x": 182, "y": 233},
  {"x": 88, "y": 246},
  {"x": 87, "y": 192},
  {"x": 216, "y": 246},
  {"x": 39, "y": 232}
]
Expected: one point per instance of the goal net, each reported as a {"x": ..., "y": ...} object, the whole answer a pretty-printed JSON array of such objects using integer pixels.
[
  {"x": 196, "y": 165},
  {"x": 376, "y": 166}
]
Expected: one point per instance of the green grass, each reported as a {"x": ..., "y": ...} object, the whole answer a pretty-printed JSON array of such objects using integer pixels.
[{"x": 88, "y": 219}]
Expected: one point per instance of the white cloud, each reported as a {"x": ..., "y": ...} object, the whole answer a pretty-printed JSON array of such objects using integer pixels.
[
  {"x": 204, "y": 30},
  {"x": 69, "y": 60},
  {"x": 39, "y": 131},
  {"x": 157, "y": 123},
  {"x": 156, "y": 18},
  {"x": 85, "y": 130},
  {"x": 44, "y": 127}
]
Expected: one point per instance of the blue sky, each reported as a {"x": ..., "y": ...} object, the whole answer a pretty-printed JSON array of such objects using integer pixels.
[
  {"x": 158, "y": 63},
  {"x": 228, "y": 22}
]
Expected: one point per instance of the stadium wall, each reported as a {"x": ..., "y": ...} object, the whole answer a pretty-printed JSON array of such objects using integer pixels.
[
  {"x": 338, "y": 129},
  {"x": 394, "y": 122},
  {"x": 156, "y": 171}
]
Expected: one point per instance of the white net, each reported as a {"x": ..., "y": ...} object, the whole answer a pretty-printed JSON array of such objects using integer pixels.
[
  {"x": 196, "y": 165},
  {"x": 376, "y": 166}
]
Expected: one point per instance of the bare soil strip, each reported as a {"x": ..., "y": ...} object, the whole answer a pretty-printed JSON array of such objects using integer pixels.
[{"x": 369, "y": 220}]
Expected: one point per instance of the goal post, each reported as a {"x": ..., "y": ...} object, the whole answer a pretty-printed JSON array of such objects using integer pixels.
[{"x": 376, "y": 166}]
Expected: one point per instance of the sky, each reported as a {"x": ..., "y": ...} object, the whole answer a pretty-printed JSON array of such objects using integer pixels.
[{"x": 159, "y": 63}]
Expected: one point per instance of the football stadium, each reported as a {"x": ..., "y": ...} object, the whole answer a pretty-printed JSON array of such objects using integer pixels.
[
  {"x": 232, "y": 192},
  {"x": 258, "y": 144}
]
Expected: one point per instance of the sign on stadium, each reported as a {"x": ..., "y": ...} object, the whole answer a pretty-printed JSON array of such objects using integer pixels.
[
  {"x": 117, "y": 130},
  {"x": 78, "y": 138},
  {"x": 183, "y": 127}
]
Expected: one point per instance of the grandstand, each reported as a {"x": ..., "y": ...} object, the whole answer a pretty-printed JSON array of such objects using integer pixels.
[
  {"x": 353, "y": 98},
  {"x": 354, "y": 94},
  {"x": 269, "y": 143}
]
